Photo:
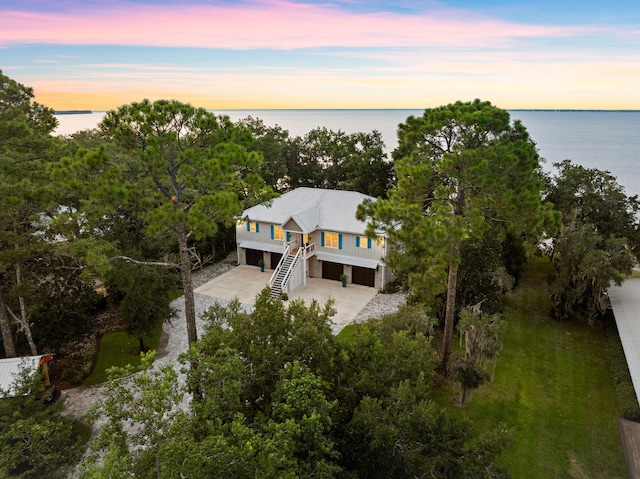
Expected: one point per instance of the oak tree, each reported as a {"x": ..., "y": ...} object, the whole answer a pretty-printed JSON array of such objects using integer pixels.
[
  {"x": 594, "y": 196},
  {"x": 596, "y": 244},
  {"x": 36, "y": 439},
  {"x": 337, "y": 160}
]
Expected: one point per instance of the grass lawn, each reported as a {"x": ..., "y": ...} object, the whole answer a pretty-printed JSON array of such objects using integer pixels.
[
  {"x": 347, "y": 332},
  {"x": 115, "y": 350},
  {"x": 553, "y": 387}
]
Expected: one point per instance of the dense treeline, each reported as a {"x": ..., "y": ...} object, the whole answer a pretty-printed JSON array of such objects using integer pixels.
[
  {"x": 119, "y": 216},
  {"x": 117, "y": 192},
  {"x": 272, "y": 393}
]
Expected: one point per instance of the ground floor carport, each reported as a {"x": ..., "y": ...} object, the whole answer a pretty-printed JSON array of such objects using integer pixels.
[{"x": 625, "y": 301}]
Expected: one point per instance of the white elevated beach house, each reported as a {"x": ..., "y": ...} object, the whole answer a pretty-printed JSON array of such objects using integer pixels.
[{"x": 311, "y": 233}]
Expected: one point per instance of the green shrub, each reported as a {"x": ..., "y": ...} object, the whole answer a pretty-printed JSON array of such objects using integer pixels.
[
  {"x": 73, "y": 371},
  {"x": 76, "y": 360}
]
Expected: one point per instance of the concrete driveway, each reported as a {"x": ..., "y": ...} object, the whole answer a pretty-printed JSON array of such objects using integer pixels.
[{"x": 245, "y": 282}]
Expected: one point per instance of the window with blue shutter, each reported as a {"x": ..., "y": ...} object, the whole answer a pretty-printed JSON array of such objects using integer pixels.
[
  {"x": 357, "y": 241},
  {"x": 368, "y": 242},
  {"x": 330, "y": 240},
  {"x": 248, "y": 225},
  {"x": 277, "y": 232}
]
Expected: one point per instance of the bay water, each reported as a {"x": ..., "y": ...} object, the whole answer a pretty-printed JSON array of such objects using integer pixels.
[{"x": 607, "y": 140}]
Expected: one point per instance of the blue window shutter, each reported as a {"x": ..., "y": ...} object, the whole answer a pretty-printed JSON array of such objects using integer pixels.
[
  {"x": 322, "y": 238},
  {"x": 368, "y": 242},
  {"x": 357, "y": 241},
  {"x": 339, "y": 241},
  {"x": 288, "y": 236},
  {"x": 272, "y": 234},
  {"x": 248, "y": 225},
  {"x": 257, "y": 227}
]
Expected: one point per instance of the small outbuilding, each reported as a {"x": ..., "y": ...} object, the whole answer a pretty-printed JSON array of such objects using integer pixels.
[{"x": 11, "y": 368}]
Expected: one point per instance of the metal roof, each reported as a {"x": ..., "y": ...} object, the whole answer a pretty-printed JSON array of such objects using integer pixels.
[
  {"x": 313, "y": 209},
  {"x": 10, "y": 369},
  {"x": 273, "y": 248},
  {"x": 352, "y": 260}
]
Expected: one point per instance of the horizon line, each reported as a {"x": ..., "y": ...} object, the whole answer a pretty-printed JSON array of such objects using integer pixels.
[{"x": 80, "y": 111}]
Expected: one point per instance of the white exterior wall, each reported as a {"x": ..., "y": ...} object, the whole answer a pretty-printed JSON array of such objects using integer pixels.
[
  {"x": 297, "y": 277},
  {"x": 349, "y": 248},
  {"x": 263, "y": 236}
]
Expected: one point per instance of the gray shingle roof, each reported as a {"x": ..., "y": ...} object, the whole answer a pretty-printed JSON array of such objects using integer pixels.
[{"x": 313, "y": 209}]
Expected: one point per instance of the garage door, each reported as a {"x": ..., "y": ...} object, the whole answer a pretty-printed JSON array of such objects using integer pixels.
[
  {"x": 254, "y": 256},
  {"x": 331, "y": 270},
  {"x": 364, "y": 276},
  {"x": 275, "y": 259}
]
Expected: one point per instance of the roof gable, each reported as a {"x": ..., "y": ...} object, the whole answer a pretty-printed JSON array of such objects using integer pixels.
[
  {"x": 305, "y": 220},
  {"x": 292, "y": 225}
]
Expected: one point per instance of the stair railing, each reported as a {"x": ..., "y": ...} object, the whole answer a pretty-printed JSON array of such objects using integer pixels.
[
  {"x": 292, "y": 266},
  {"x": 286, "y": 253}
]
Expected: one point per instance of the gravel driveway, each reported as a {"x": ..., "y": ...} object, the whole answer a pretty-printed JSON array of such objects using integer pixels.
[{"x": 173, "y": 341}]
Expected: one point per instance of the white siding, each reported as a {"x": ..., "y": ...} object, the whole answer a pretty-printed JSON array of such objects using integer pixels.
[
  {"x": 349, "y": 248},
  {"x": 297, "y": 277},
  {"x": 262, "y": 236}
]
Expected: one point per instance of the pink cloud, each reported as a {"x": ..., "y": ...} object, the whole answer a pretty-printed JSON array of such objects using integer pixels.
[{"x": 263, "y": 24}]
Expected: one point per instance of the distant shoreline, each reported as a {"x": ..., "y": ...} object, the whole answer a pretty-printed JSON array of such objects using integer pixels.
[
  {"x": 73, "y": 112},
  {"x": 546, "y": 110}
]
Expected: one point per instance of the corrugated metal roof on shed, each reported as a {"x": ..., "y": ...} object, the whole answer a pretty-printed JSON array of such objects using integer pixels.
[{"x": 10, "y": 369}]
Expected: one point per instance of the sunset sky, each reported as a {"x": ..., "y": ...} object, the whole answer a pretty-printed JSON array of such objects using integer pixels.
[{"x": 246, "y": 54}]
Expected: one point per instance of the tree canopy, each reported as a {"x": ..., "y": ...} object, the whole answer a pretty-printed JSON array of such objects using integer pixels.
[
  {"x": 183, "y": 170},
  {"x": 593, "y": 196},
  {"x": 461, "y": 169},
  {"x": 36, "y": 440},
  {"x": 322, "y": 158},
  {"x": 272, "y": 393},
  {"x": 26, "y": 148},
  {"x": 597, "y": 242}
]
